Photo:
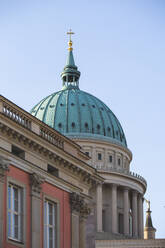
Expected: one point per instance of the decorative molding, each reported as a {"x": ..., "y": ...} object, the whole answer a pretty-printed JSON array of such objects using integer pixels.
[
  {"x": 84, "y": 176},
  {"x": 36, "y": 181},
  {"x": 79, "y": 205},
  {"x": 4, "y": 167}
]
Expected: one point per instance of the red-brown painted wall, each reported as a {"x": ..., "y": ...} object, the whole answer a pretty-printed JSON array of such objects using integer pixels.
[{"x": 50, "y": 190}]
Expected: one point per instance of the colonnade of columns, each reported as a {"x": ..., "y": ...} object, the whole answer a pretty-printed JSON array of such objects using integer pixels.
[{"x": 137, "y": 211}]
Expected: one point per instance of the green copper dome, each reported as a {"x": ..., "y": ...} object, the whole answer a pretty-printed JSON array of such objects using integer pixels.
[{"x": 78, "y": 114}]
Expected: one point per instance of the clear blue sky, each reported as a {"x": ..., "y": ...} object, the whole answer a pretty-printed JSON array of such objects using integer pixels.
[{"x": 119, "y": 47}]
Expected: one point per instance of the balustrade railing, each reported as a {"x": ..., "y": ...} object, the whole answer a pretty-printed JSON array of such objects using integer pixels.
[
  {"x": 51, "y": 137},
  {"x": 24, "y": 120},
  {"x": 123, "y": 171},
  {"x": 16, "y": 116}
]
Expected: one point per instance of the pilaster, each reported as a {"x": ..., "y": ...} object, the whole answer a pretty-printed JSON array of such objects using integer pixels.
[
  {"x": 99, "y": 207},
  {"x": 4, "y": 167},
  {"x": 134, "y": 214},
  {"x": 80, "y": 211},
  {"x": 36, "y": 182}
]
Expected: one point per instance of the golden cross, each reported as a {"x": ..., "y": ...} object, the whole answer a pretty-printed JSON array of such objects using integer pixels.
[{"x": 70, "y": 33}]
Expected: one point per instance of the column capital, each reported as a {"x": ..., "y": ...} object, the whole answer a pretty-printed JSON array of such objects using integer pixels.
[
  {"x": 126, "y": 188},
  {"x": 114, "y": 185},
  {"x": 140, "y": 196},
  {"x": 4, "y": 167},
  {"x": 135, "y": 192},
  {"x": 36, "y": 181},
  {"x": 79, "y": 205},
  {"x": 84, "y": 211}
]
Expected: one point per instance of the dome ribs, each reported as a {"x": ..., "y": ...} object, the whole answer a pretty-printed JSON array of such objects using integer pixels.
[
  {"x": 76, "y": 113},
  {"x": 89, "y": 110},
  {"x": 47, "y": 109},
  {"x": 78, "y": 107},
  {"x": 101, "y": 117}
]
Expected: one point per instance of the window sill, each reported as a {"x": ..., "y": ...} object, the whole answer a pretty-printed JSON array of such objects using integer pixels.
[{"x": 15, "y": 242}]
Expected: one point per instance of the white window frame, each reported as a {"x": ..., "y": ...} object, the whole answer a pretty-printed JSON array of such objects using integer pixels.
[
  {"x": 50, "y": 226},
  {"x": 12, "y": 212}
]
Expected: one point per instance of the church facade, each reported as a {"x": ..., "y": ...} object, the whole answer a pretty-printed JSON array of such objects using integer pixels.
[{"x": 65, "y": 176}]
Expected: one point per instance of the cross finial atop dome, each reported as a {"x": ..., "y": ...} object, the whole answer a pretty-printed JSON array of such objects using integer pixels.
[
  {"x": 70, "y": 75},
  {"x": 70, "y": 41}
]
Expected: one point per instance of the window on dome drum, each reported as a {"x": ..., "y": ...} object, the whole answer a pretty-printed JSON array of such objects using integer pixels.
[
  {"x": 15, "y": 212},
  {"x": 72, "y": 104},
  {"x": 50, "y": 224},
  {"x": 121, "y": 223},
  {"x": 18, "y": 152},
  {"x": 53, "y": 171},
  {"x": 119, "y": 161},
  {"x": 110, "y": 158},
  {"x": 99, "y": 156},
  {"x": 103, "y": 219}
]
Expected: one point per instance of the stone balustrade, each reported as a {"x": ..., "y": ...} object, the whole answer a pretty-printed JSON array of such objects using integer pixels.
[
  {"x": 16, "y": 115},
  {"x": 51, "y": 137},
  {"x": 122, "y": 171},
  {"x": 25, "y": 119}
]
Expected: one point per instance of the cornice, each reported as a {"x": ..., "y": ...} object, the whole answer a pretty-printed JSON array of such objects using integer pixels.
[
  {"x": 32, "y": 168},
  {"x": 51, "y": 156}
]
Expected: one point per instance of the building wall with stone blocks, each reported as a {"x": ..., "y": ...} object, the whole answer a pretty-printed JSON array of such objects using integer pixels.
[{"x": 135, "y": 243}]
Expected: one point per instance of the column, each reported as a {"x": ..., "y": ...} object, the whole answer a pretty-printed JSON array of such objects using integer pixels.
[
  {"x": 114, "y": 208},
  {"x": 75, "y": 208},
  {"x": 3, "y": 169},
  {"x": 82, "y": 233},
  {"x": 80, "y": 211},
  {"x": 134, "y": 214},
  {"x": 99, "y": 207},
  {"x": 36, "y": 182},
  {"x": 126, "y": 211},
  {"x": 140, "y": 217},
  {"x": 84, "y": 212}
]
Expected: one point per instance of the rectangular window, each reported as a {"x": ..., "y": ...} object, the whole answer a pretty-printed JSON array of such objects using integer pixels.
[
  {"x": 50, "y": 230},
  {"x": 121, "y": 223},
  {"x": 15, "y": 212},
  {"x": 18, "y": 152},
  {"x": 110, "y": 158},
  {"x": 99, "y": 156},
  {"x": 52, "y": 170}
]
